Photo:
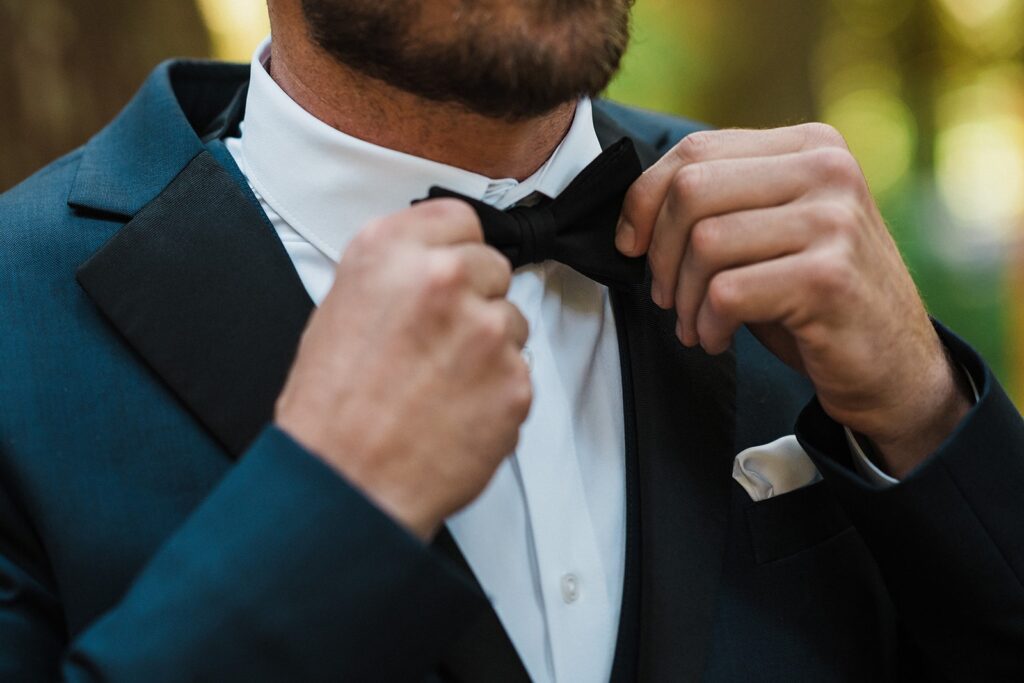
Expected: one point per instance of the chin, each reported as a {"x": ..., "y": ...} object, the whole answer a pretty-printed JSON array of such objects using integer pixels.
[{"x": 510, "y": 60}]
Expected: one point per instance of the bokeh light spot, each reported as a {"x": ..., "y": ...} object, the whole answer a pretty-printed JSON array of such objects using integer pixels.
[
  {"x": 976, "y": 13},
  {"x": 236, "y": 26},
  {"x": 881, "y": 132},
  {"x": 979, "y": 150},
  {"x": 980, "y": 170}
]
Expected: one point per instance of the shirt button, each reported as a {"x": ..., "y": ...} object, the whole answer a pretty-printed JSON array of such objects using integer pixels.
[{"x": 570, "y": 588}]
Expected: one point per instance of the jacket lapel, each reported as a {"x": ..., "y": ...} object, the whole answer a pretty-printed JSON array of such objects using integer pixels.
[
  {"x": 201, "y": 288},
  {"x": 681, "y": 405},
  {"x": 196, "y": 281}
]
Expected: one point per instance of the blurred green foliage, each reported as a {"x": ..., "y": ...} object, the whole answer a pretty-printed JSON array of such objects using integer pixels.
[{"x": 930, "y": 95}]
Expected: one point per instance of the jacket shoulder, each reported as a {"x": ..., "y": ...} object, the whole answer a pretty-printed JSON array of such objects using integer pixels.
[
  {"x": 660, "y": 131},
  {"x": 38, "y": 201}
]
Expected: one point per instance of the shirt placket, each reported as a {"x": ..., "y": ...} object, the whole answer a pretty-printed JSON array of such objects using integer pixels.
[{"x": 569, "y": 564}]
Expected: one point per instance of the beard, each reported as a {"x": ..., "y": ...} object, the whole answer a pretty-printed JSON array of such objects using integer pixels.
[{"x": 503, "y": 59}]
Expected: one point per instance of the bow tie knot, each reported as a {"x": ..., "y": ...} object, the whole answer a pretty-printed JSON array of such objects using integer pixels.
[
  {"x": 577, "y": 228},
  {"x": 538, "y": 233}
]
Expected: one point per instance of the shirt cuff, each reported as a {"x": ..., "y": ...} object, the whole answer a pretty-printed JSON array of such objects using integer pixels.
[{"x": 866, "y": 467}]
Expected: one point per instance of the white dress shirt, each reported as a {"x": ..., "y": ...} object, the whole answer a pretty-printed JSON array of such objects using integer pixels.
[{"x": 546, "y": 539}]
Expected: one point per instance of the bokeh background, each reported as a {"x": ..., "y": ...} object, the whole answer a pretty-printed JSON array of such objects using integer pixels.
[{"x": 930, "y": 94}]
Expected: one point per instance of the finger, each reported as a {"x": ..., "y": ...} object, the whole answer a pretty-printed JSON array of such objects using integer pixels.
[
  {"x": 722, "y": 187},
  {"x": 774, "y": 291},
  {"x": 648, "y": 193},
  {"x": 437, "y": 222},
  {"x": 739, "y": 143},
  {"x": 486, "y": 271},
  {"x": 517, "y": 329},
  {"x": 733, "y": 240}
]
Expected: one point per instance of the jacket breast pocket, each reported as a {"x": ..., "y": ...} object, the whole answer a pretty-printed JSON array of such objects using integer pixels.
[{"x": 791, "y": 523}]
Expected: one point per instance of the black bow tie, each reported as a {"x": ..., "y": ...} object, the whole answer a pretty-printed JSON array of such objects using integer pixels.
[{"x": 577, "y": 228}]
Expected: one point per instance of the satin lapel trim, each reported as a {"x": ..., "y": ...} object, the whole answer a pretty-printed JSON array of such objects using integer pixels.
[
  {"x": 200, "y": 286},
  {"x": 684, "y": 411}
]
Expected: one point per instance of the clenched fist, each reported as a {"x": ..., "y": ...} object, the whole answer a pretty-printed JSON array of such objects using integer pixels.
[
  {"x": 777, "y": 229},
  {"x": 409, "y": 379}
]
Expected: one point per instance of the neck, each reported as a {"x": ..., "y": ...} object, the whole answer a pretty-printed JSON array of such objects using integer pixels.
[{"x": 373, "y": 111}]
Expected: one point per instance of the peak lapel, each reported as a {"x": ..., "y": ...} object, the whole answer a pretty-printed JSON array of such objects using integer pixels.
[
  {"x": 196, "y": 281},
  {"x": 682, "y": 406},
  {"x": 203, "y": 290}
]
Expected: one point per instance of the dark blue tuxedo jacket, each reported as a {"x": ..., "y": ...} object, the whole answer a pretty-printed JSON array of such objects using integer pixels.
[{"x": 153, "y": 527}]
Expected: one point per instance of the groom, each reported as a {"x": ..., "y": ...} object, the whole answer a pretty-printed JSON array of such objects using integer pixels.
[{"x": 267, "y": 416}]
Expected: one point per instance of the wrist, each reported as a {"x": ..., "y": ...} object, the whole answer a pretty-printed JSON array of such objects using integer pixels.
[
  {"x": 406, "y": 508},
  {"x": 947, "y": 398}
]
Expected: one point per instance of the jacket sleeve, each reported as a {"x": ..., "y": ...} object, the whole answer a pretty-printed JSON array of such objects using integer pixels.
[
  {"x": 285, "y": 572},
  {"x": 949, "y": 539}
]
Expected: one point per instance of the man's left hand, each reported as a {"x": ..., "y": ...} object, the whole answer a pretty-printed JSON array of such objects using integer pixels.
[{"x": 777, "y": 229}]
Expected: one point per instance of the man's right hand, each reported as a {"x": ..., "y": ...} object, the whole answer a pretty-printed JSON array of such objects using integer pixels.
[{"x": 409, "y": 379}]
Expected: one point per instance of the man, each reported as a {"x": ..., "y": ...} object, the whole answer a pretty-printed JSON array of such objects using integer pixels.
[{"x": 191, "y": 493}]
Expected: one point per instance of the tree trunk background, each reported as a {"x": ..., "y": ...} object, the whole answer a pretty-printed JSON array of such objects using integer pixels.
[
  {"x": 70, "y": 65},
  {"x": 764, "y": 64}
]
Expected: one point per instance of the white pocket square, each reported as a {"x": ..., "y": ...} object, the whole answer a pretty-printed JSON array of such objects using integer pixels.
[{"x": 773, "y": 469}]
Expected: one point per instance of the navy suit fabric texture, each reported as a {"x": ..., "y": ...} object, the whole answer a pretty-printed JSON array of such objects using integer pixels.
[{"x": 154, "y": 526}]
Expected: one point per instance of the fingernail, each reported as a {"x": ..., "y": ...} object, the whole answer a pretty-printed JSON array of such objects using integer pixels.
[
  {"x": 625, "y": 237},
  {"x": 679, "y": 332}
]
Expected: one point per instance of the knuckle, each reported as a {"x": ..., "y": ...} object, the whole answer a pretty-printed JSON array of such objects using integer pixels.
[
  {"x": 826, "y": 135},
  {"x": 723, "y": 294},
  {"x": 445, "y": 207},
  {"x": 829, "y": 275},
  {"x": 837, "y": 165},
  {"x": 453, "y": 212},
  {"x": 835, "y": 217},
  {"x": 694, "y": 146},
  {"x": 373, "y": 234},
  {"x": 446, "y": 272},
  {"x": 706, "y": 236},
  {"x": 491, "y": 329},
  {"x": 688, "y": 181},
  {"x": 815, "y": 334},
  {"x": 463, "y": 215}
]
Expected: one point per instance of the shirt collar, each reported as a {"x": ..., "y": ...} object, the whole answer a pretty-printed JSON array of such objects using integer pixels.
[{"x": 326, "y": 184}]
